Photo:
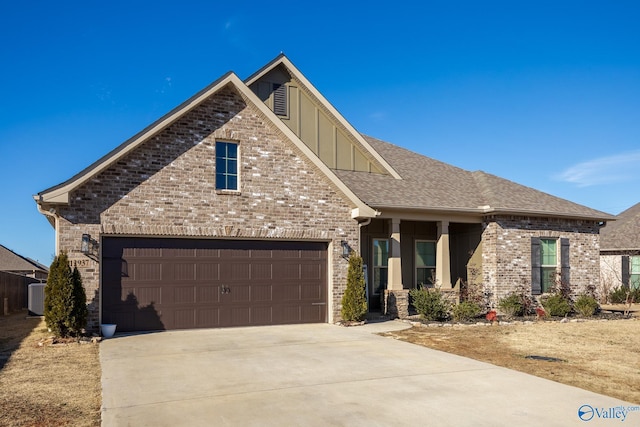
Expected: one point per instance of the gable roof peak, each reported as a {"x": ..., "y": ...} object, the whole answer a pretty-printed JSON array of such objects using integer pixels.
[{"x": 302, "y": 80}]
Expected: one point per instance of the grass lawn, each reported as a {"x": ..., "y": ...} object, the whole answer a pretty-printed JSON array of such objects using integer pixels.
[
  {"x": 600, "y": 356},
  {"x": 46, "y": 385}
]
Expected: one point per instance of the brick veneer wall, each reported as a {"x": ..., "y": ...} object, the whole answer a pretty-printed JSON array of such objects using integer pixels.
[
  {"x": 506, "y": 251},
  {"x": 166, "y": 187}
]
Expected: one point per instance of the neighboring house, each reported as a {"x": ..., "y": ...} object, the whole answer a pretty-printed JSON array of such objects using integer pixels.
[
  {"x": 14, "y": 263},
  {"x": 620, "y": 252},
  {"x": 239, "y": 207}
]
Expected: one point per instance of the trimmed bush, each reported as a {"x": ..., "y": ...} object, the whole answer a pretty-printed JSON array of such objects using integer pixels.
[
  {"x": 586, "y": 305},
  {"x": 65, "y": 302},
  {"x": 556, "y": 305},
  {"x": 465, "y": 311},
  {"x": 619, "y": 295},
  {"x": 511, "y": 305},
  {"x": 431, "y": 304},
  {"x": 354, "y": 300}
]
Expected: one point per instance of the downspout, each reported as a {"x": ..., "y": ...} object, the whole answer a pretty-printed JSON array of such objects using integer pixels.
[{"x": 53, "y": 214}]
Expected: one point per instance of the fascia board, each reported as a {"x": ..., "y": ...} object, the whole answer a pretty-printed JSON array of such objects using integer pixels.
[
  {"x": 282, "y": 59},
  {"x": 60, "y": 194}
]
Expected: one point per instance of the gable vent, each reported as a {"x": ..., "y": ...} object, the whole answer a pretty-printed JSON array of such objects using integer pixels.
[{"x": 280, "y": 99}]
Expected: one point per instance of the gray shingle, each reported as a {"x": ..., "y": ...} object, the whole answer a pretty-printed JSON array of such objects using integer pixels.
[
  {"x": 11, "y": 261},
  {"x": 624, "y": 233},
  {"x": 431, "y": 184}
]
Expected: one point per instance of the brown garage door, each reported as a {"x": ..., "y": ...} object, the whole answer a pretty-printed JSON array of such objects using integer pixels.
[{"x": 154, "y": 284}]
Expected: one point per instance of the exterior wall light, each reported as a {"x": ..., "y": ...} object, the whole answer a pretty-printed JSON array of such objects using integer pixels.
[
  {"x": 89, "y": 246},
  {"x": 86, "y": 242},
  {"x": 346, "y": 249}
]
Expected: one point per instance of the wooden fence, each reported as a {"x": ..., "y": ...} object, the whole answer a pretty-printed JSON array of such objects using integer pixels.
[{"x": 14, "y": 290}]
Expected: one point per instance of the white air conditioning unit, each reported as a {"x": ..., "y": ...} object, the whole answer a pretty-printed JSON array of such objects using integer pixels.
[{"x": 36, "y": 299}]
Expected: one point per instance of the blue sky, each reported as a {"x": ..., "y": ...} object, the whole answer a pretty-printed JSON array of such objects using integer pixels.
[{"x": 544, "y": 93}]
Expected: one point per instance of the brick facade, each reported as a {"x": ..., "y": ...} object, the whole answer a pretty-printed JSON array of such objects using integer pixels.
[
  {"x": 506, "y": 251},
  {"x": 166, "y": 187}
]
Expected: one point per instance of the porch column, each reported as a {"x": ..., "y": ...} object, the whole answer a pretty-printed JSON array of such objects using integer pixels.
[
  {"x": 395, "y": 264},
  {"x": 443, "y": 269}
]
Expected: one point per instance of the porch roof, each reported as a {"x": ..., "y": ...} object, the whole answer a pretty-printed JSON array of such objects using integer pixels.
[{"x": 429, "y": 184}]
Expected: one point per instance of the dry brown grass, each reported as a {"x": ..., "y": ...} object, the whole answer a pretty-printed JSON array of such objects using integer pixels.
[
  {"x": 601, "y": 356},
  {"x": 49, "y": 385}
]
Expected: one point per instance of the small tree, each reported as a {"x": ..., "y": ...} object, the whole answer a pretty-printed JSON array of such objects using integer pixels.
[
  {"x": 354, "y": 300},
  {"x": 65, "y": 303}
]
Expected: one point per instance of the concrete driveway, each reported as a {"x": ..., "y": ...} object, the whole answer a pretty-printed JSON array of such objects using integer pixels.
[{"x": 323, "y": 375}]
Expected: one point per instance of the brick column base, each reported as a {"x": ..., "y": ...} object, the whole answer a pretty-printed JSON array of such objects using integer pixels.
[{"x": 396, "y": 303}]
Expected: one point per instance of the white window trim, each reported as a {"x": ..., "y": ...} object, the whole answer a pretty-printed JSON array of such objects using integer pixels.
[
  {"x": 239, "y": 182},
  {"x": 543, "y": 266}
]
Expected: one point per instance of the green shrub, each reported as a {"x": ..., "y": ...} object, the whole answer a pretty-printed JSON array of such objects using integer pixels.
[
  {"x": 431, "y": 304},
  {"x": 354, "y": 300},
  {"x": 586, "y": 305},
  {"x": 619, "y": 295},
  {"x": 65, "y": 302},
  {"x": 511, "y": 305},
  {"x": 556, "y": 305},
  {"x": 465, "y": 311}
]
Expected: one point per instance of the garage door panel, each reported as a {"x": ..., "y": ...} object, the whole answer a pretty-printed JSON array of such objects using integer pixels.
[
  {"x": 287, "y": 271},
  {"x": 261, "y": 271},
  {"x": 156, "y": 283},
  {"x": 143, "y": 252},
  {"x": 234, "y": 271},
  {"x": 261, "y": 254},
  {"x": 310, "y": 292},
  {"x": 287, "y": 293},
  {"x": 145, "y": 272},
  {"x": 261, "y": 293},
  {"x": 262, "y": 315},
  {"x": 185, "y": 318},
  {"x": 240, "y": 293},
  {"x": 310, "y": 271},
  {"x": 180, "y": 272},
  {"x": 178, "y": 252},
  {"x": 208, "y": 294},
  {"x": 184, "y": 294},
  {"x": 207, "y": 318},
  {"x": 208, "y": 271},
  {"x": 145, "y": 296},
  {"x": 312, "y": 313}
]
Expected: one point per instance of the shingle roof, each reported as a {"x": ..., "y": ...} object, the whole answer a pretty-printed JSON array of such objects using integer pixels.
[
  {"x": 11, "y": 261},
  {"x": 624, "y": 233},
  {"x": 429, "y": 184}
]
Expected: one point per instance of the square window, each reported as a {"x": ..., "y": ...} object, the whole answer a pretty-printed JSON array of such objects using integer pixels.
[{"x": 226, "y": 166}]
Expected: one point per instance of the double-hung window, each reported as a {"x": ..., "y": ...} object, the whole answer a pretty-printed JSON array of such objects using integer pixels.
[
  {"x": 634, "y": 272},
  {"x": 425, "y": 263},
  {"x": 380, "y": 265},
  {"x": 549, "y": 263},
  {"x": 226, "y": 166}
]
